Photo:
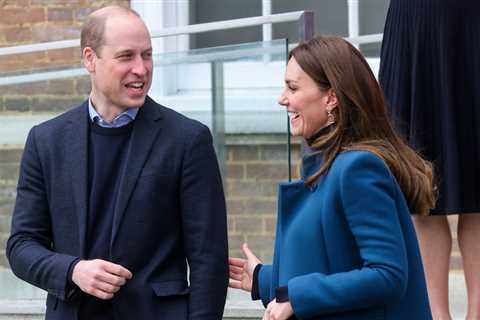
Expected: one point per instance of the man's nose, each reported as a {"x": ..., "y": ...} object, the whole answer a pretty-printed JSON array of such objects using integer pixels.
[{"x": 139, "y": 67}]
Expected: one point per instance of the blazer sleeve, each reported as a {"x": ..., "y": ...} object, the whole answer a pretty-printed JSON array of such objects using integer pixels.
[
  {"x": 368, "y": 199},
  {"x": 29, "y": 247},
  {"x": 204, "y": 227}
]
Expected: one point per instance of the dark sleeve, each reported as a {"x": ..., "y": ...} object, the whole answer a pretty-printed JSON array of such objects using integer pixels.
[
  {"x": 71, "y": 288},
  {"x": 204, "y": 227},
  {"x": 255, "y": 291},
  {"x": 29, "y": 247},
  {"x": 281, "y": 294}
]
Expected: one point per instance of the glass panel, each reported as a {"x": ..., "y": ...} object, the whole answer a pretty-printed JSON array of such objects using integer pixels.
[
  {"x": 249, "y": 126},
  {"x": 232, "y": 89}
]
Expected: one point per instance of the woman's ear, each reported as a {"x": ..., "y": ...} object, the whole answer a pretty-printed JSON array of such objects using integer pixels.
[{"x": 332, "y": 101}]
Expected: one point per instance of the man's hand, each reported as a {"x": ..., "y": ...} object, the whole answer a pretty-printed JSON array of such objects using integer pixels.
[
  {"x": 100, "y": 278},
  {"x": 241, "y": 270},
  {"x": 278, "y": 311}
]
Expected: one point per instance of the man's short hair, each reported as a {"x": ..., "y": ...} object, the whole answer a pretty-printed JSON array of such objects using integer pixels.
[{"x": 93, "y": 29}]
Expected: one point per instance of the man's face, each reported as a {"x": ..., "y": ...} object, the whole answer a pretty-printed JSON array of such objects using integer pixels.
[{"x": 122, "y": 67}]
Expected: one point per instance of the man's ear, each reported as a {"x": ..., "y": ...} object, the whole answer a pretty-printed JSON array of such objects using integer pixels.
[
  {"x": 89, "y": 59},
  {"x": 332, "y": 100}
]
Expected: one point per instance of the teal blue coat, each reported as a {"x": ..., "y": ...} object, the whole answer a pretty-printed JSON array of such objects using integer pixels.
[{"x": 346, "y": 248}]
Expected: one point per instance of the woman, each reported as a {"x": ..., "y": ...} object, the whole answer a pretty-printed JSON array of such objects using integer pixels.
[
  {"x": 429, "y": 72},
  {"x": 345, "y": 246}
]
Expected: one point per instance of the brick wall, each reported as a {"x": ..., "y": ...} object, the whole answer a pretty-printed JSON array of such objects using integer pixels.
[
  {"x": 252, "y": 174},
  {"x": 34, "y": 21}
]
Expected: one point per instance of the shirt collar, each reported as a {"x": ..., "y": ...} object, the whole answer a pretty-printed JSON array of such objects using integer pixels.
[{"x": 122, "y": 119}]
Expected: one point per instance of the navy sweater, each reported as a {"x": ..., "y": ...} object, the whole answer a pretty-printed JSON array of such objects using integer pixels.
[{"x": 106, "y": 163}]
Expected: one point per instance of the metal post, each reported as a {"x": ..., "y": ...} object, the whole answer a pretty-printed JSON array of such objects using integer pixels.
[
  {"x": 218, "y": 114},
  {"x": 353, "y": 21},
  {"x": 267, "y": 28}
]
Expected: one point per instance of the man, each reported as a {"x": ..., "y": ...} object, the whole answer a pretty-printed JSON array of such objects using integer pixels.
[{"x": 115, "y": 197}]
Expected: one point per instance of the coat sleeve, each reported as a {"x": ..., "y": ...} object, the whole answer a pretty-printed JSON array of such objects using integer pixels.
[
  {"x": 265, "y": 283},
  {"x": 29, "y": 247},
  {"x": 367, "y": 194},
  {"x": 204, "y": 227}
]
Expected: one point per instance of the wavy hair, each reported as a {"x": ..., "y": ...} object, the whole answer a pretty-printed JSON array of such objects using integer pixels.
[{"x": 361, "y": 119}]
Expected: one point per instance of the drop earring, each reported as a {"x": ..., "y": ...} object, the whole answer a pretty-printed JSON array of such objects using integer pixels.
[{"x": 330, "y": 117}]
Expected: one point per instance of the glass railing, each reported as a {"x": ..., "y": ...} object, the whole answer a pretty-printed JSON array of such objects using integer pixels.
[{"x": 232, "y": 89}]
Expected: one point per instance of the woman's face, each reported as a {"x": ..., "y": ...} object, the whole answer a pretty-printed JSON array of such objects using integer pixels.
[{"x": 305, "y": 102}]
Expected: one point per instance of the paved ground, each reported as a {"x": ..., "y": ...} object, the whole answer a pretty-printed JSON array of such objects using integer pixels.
[{"x": 239, "y": 305}]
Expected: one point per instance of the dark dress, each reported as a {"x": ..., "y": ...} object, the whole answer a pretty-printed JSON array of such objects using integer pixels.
[{"x": 430, "y": 73}]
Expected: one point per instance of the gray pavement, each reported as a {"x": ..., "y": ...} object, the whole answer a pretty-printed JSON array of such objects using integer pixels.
[{"x": 19, "y": 300}]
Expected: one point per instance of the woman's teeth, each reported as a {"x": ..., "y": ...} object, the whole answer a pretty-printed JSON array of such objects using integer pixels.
[{"x": 293, "y": 115}]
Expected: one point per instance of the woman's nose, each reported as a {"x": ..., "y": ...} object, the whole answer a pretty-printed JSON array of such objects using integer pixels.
[{"x": 282, "y": 100}]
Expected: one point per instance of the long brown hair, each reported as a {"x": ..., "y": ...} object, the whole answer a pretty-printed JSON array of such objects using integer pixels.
[{"x": 361, "y": 119}]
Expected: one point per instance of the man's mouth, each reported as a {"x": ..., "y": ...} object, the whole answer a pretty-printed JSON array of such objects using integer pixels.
[{"x": 135, "y": 85}]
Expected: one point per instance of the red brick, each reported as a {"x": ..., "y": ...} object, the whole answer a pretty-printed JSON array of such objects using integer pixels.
[
  {"x": 60, "y": 14},
  {"x": 18, "y": 35},
  {"x": 65, "y": 56},
  {"x": 82, "y": 13},
  {"x": 55, "y": 2},
  {"x": 54, "y": 33},
  {"x": 20, "y": 16},
  {"x": 15, "y": 3}
]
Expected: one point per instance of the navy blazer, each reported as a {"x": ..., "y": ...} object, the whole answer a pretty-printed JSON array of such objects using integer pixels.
[
  {"x": 171, "y": 210},
  {"x": 346, "y": 248}
]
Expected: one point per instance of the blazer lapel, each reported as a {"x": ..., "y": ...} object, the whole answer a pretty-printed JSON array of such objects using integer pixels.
[
  {"x": 145, "y": 130},
  {"x": 76, "y": 140}
]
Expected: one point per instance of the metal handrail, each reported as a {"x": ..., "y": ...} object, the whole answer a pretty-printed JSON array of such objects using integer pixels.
[{"x": 167, "y": 32}]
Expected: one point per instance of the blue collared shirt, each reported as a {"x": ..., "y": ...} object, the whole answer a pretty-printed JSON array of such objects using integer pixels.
[{"x": 122, "y": 119}]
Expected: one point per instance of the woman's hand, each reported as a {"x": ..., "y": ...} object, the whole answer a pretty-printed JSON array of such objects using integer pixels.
[
  {"x": 241, "y": 270},
  {"x": 278, "y": 311}
]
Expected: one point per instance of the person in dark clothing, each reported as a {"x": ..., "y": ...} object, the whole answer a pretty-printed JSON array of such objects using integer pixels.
[
  {"x": 430, "y": 73},
  {"x": 117, "y": 196}
]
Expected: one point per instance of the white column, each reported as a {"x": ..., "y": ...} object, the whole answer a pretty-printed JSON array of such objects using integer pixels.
[
  {"x": 157, "y": 15},
  {"x": 353, "y": 21},
  {"x": 267, "y": 28}
]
